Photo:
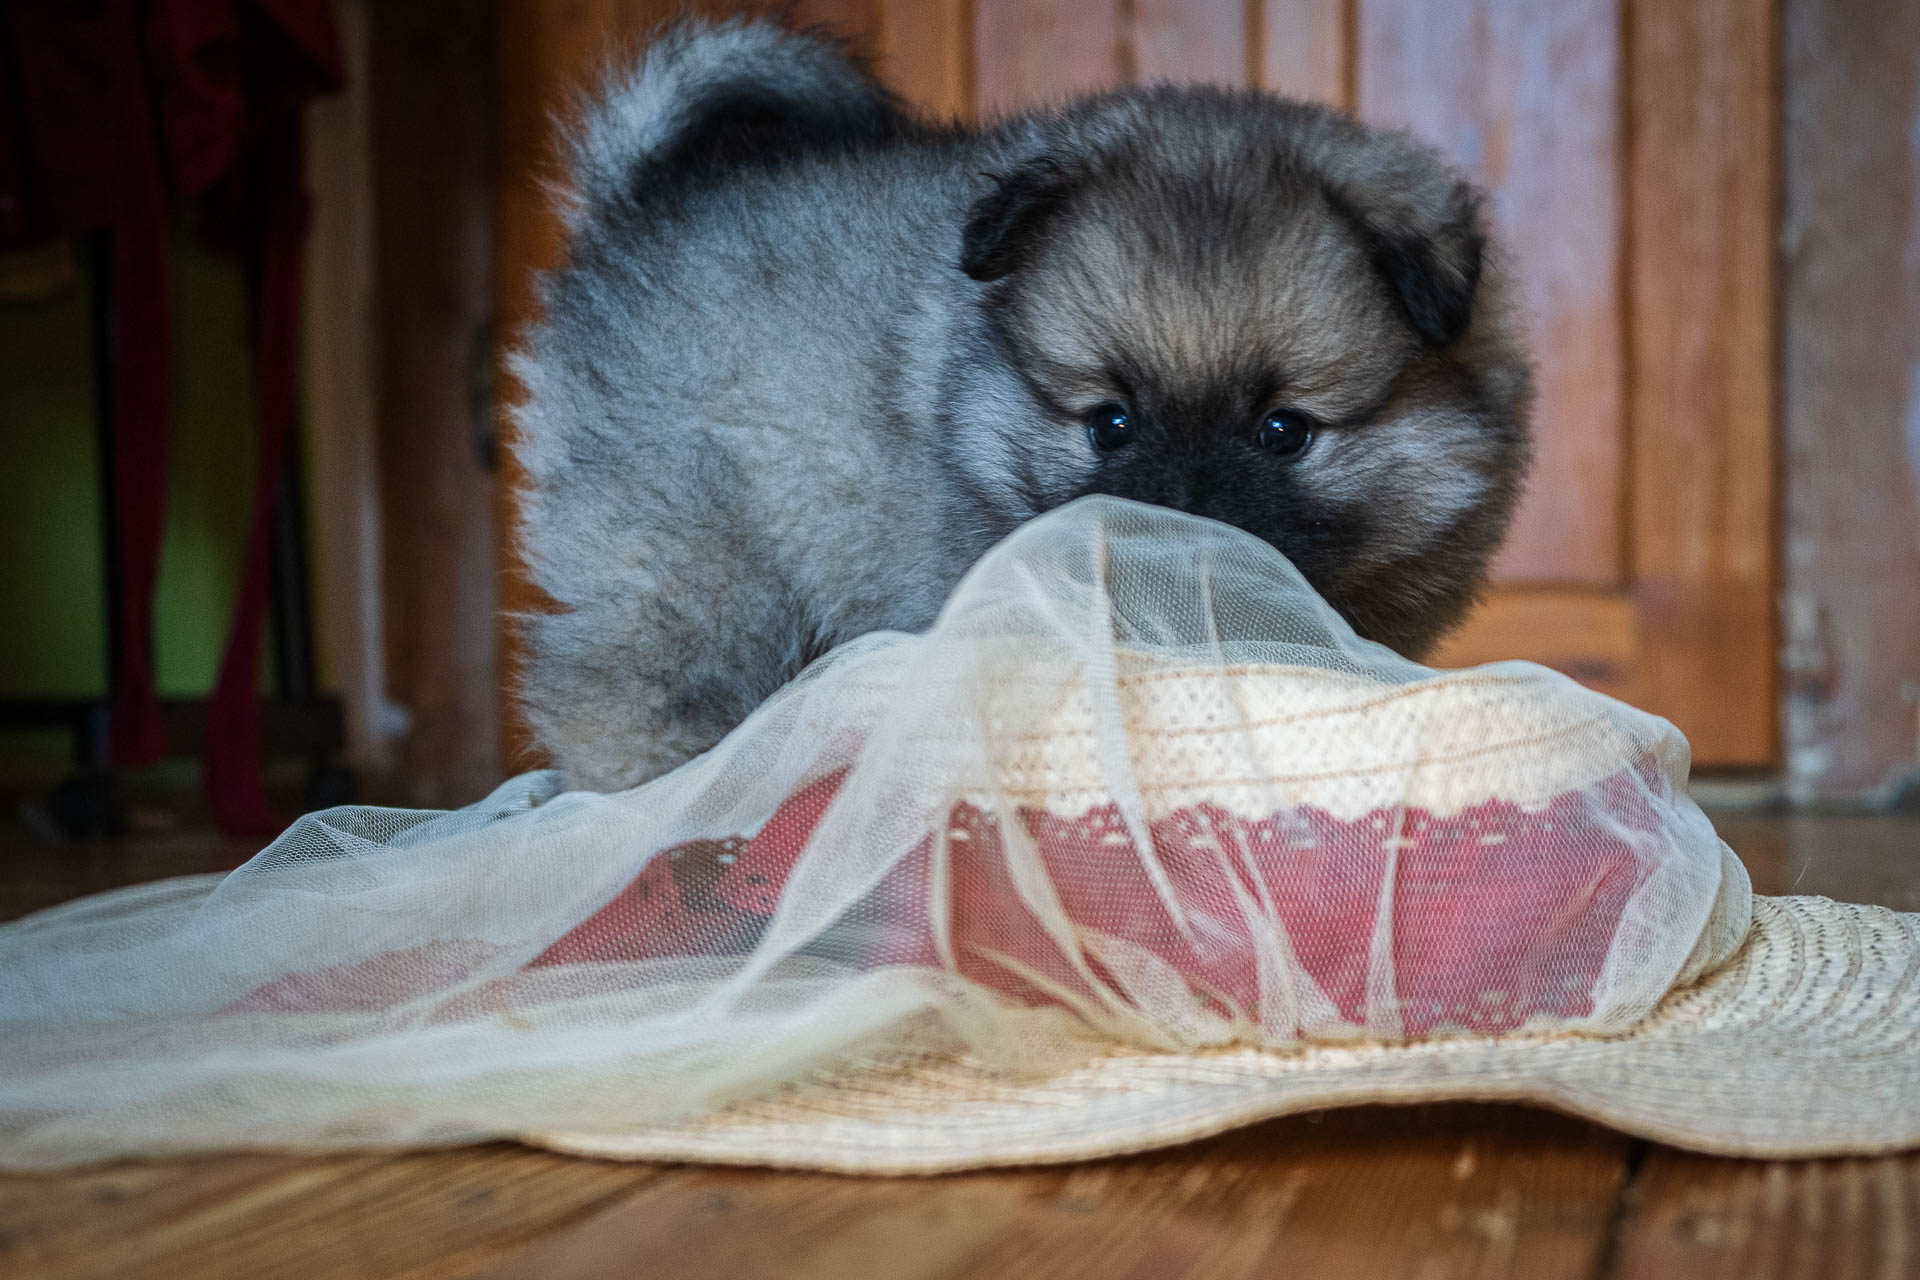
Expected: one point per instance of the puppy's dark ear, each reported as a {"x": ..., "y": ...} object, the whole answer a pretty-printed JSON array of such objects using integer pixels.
[
  {"x": 1429, "y": 250},
  {"x": 1004, "y": 225}
]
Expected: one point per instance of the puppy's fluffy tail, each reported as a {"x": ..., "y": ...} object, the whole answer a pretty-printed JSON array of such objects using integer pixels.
[{"x": 709, "y": 96}]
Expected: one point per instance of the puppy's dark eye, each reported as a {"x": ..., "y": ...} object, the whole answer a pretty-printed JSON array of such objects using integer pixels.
[
  {"x": 1284, "y": 432},
  {"x": 1109, "y": 427}
]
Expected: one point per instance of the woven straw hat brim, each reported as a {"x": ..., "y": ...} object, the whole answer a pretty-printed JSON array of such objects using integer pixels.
[{"x": 1807, "y": 1043}]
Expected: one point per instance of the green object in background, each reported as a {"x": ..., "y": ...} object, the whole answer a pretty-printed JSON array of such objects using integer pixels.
[
  {"x": 209, "y": 471},
  {"x": 52, "y": 569}
]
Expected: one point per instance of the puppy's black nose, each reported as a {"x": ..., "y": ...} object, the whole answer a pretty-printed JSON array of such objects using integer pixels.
[{"x": 1202, "y": 495}]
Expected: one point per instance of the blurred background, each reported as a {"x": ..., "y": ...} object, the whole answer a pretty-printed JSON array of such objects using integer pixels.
[{"x": 255, "y": 511}]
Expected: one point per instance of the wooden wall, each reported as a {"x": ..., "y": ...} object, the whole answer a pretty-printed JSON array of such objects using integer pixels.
[
  {"x": 1851, "y": 239},
  {"x": 434, "y": 70},
  {"x": 399, "y": 306},
  {"x": 340, "y": 404}
]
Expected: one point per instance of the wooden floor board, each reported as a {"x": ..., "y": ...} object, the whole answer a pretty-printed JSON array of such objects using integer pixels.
[
  {"x": 1434, "y": 1192},
  {"x": 426, "y": 1215},
  {"x": 1708, "y": 1219}
]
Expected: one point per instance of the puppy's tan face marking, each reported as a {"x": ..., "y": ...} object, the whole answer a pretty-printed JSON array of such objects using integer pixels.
[
  {"x": 1299, "y": 307},
  {"x": 1305, "y": 326},
  {"x": 1199, "y": 294}
]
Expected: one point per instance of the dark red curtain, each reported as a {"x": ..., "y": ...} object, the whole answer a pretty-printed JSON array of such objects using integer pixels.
[{"x": 112, "y": 114}]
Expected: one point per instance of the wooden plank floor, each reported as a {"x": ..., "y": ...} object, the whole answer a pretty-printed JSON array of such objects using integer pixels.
[{"x": 1430, "y": 1192}]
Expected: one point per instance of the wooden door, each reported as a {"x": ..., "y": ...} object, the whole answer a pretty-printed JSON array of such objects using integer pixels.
[{"x": 1629, "y": 147}]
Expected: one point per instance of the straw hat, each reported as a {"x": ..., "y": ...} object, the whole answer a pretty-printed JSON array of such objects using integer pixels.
[
  {"x": 1800, "y": 1038},
  {"x": 1807, "y": 1043}
]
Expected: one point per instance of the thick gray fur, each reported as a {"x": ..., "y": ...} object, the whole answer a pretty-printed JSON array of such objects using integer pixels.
[{"x": 809, "y": 356}]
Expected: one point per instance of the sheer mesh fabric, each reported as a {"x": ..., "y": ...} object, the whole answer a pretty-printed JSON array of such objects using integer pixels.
[{"x": 1138, "y": 785}]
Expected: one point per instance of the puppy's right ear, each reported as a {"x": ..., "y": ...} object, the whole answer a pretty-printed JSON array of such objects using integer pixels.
[
  {"x": 1429, "y": 246},
  {"x": 1421, "y": 221},
  {"x": 1005, "y": 225}
]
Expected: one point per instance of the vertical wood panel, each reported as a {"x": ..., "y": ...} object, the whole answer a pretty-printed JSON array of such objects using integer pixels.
[
  {"x": 339, "y": 403},
  {"x": 1306, "y": 49},
  {"x": 925, "y": 53},
  {"x": 1701, "y": 174},
  {"x": 1028, "y": 52},
  {"x": 1709, "y": 1219},
  {"x": 1190, "y": 40},
  {"x": 1852, "y": 391},
  {"x": 854, "y": 21},
  {"x": 1526, "y": 95},
  {"x": 434, "y": 192}
]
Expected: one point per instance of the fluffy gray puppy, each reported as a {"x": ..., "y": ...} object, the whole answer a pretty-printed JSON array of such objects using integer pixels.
[{"x": 810, "y": 356}]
